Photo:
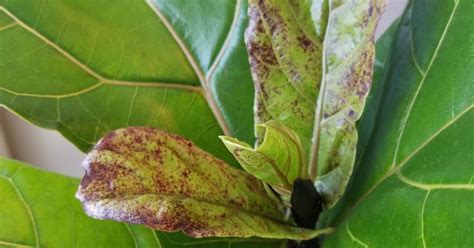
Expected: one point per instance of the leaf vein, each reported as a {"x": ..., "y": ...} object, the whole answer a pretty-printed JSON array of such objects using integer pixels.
[
  {"x": 423, "y": 219},
  {"x": 395, "y": 169},
  {"x": 135, "y": 242},
  {"x": 101, "y": 79},
  {"x": 132, "y": 103},
  {"x": 17, "y": 245},
  {"x": 421, "y": 83},
  {"x": 224, "y": 47},
  {"x": 8, "y": 26},
  {"x": 156, "y": 238},
  {"x": 30, "y": 212},
  {"x": 429, "y": 187},
  {"x": 199, "y": 72},
  {"x": 358, "y": 241}
]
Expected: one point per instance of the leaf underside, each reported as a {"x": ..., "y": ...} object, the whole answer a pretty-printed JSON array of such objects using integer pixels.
[{"x": 145, "y": 176}]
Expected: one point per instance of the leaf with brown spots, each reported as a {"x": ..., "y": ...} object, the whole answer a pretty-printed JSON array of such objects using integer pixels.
[
  {"x": 278, "y": 160},
  {"x": 347, "y": 75},
  {"x": 311, "y": 62},
  {"x": 284, "y": 53},
  {"x": 146, "y": 176}
]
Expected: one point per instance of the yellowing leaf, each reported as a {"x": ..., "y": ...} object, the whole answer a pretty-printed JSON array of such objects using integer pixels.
[
  {"x": 147, "y": 176},
  {"x": 278, "y": 160}
]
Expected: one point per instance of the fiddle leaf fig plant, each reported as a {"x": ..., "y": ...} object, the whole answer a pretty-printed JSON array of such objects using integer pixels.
[
  {"x": 149, "y": 177},
  {"x": 146, "y": 89}
]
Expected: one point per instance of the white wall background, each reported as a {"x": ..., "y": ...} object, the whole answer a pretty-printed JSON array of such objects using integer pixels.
[{"x": 48, "y": 149}]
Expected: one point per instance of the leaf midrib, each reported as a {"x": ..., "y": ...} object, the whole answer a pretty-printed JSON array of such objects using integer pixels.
[
  {"x": 205, "y": 80},
  {"x": 101, "y": 80}
]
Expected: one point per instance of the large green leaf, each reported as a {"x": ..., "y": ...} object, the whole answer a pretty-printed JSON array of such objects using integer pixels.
[
  {"x": 313, "y": 81},
  {"x": 38, "y": 209},
  {"x": 88, "y": 67},
  {"x": 413, "y": 186},
  {"x": 142, "y": 175}
]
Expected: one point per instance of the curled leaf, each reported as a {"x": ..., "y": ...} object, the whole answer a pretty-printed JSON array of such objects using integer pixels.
[
  {"x": 147, "y": 176},
  {"x": 278, "y": 160}
]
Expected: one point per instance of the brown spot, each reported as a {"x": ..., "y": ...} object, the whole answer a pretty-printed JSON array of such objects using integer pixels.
[{"x": 305, "y": 42}]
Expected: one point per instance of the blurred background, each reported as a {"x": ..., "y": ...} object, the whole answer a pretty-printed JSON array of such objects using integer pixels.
[{"x": 49, "y": 150}]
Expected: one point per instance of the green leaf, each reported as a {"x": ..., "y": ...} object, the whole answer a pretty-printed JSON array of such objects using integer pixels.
[
  {"x": 314, "y": 80},
  {"x": 82, "y": 68},
  {"x": 415, "y": 178},
  {"x": 278, "y": 160},
  {"x": 146, "y": 176},
  {"x": 38, "y": 209}
]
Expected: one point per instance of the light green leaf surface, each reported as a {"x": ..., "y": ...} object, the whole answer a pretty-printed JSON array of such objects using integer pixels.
[
  {"x": 312, "y": 80},
  {"x": 278, "y": 160},
  {"x": 85, "y": 68},
  {"x": 38, "y": 209},
  {"x": 415, "y": 179},
  {"x": 146, "y": 176}
]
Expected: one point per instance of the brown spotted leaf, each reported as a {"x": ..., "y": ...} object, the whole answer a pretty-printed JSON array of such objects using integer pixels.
[
  {"x": 146, "y": 176},
  {"x": 347, "y": 75},
  {"x": 311, "y": 62},
  {"x": 285, "y": 60}
]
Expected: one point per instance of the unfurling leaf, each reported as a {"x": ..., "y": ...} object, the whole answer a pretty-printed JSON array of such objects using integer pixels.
[
  {"x": 147, "y": 176},
  {"x": 278, "y": 160},
  {"x": 314, "y": 80}
]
